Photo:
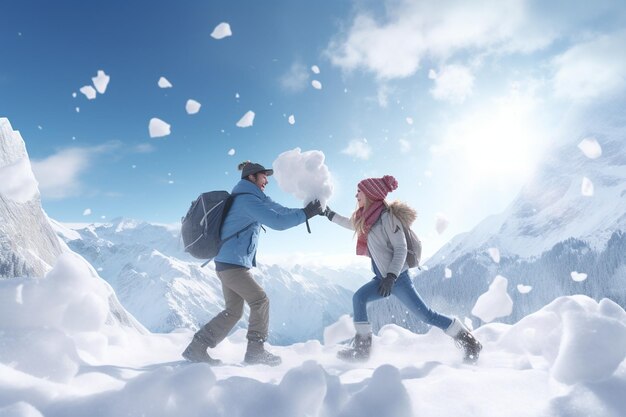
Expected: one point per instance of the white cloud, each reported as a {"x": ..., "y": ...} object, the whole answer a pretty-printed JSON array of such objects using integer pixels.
[
  {"x": 144, "y": 148},
  {"x": 192, "y": 107},
  {"x": 221, "y": 31},
  {"x": 393, "y": 44},
  {"x": 246, "y": 120},
  {"x": 164, "y": 83},
  {"x": 383, "y": 95},
  {"x": 296, "y": 78},
  {"x": 405, "y": 145},
  {"x": 59, "y": 175},
  {"x": 88, "y": 91},
  {"x": 592, "y": 69},
  {"x": 453, "y": 83},
  {"x": 358, "y": 148},
  {"x": 158, "y": 128},
  {"x": 101, "y": 81}
]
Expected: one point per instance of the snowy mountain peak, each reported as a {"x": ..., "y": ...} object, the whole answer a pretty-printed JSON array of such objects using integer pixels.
[
  {"x": 572, "y": 196},
  {"x": 28, "y": 245}
]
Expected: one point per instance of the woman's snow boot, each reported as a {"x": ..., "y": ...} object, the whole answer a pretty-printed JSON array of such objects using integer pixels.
[
  {"x": 465, "y": 340},
  {"x": 360, "y": 350}
]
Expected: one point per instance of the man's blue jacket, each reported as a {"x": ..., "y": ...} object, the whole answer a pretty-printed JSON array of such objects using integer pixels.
[{"x": 252, "y": 209}]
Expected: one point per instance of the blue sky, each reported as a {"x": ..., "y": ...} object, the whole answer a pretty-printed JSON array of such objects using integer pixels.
[{"x": 458, "y": 100}]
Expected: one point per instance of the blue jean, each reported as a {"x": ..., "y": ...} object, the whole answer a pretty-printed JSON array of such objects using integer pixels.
[{"x": 406, "y": 293}]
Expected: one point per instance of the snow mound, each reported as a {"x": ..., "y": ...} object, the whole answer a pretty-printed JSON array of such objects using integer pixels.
[{"x": 570, "y": 355}]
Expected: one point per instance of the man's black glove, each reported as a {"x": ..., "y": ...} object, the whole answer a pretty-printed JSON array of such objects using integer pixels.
[
  {"x": 328, "y": 213},
  {"x": 385, "y": 285},
  {"x": 313, "y": 209}
]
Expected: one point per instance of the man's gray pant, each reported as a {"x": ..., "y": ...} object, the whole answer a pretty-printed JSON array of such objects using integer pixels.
[{"x": 238, "y": 286}]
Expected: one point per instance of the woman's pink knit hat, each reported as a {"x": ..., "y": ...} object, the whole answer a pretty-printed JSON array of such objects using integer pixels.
[{"x": 376, "y": 189}]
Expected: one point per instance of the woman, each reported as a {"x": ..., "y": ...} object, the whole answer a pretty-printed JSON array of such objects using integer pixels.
[{"x": 379, "y": 228}]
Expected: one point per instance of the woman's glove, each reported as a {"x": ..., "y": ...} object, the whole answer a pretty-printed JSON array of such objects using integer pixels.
[
  {"x": 385, "y": 285},
  {"x": 328, "y": 213}
]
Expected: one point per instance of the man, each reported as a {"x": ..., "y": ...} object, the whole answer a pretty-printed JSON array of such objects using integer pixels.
[{"x": 250, "y": 209}]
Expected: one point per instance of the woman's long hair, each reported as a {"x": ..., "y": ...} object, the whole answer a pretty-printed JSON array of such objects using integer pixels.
[{"x": 359, "y": 225}]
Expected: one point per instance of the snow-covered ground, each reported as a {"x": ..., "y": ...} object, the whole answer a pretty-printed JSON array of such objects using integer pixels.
[{"x": 62, "y": 355}]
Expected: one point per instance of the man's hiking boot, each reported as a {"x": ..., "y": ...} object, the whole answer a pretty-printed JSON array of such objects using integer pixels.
[
  {"x": 257, "y": 355},
  {"x": 196, "y": 352},
  {"x": 360, "y": 350}
]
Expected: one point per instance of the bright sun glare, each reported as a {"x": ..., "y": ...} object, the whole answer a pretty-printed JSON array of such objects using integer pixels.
[{"x": 500, "y": 142}]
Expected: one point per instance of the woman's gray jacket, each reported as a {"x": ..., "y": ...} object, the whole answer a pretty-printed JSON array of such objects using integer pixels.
[{"x": 386, "y": 243}]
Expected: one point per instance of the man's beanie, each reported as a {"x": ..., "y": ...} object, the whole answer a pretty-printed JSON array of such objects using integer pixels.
[
  {"x": 377, "y": 188},
  {"x": 250, "y": 168}
]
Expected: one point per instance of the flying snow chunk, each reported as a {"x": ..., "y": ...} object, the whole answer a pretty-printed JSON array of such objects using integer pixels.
[
  {"x": 432, "y": 74},
  {"x": 316, "y": 84},
  {"x": 231, "y": 152},
  {"x": 247, "y": 120},
  {"x": 74, "y": 95},
  {"x": 495, "y": 254},
  {"x": 221, "y": 31},
  {"x": 87, "y": 212},
  {"x": 192, "y": 106},
  {"x": 89, "y": 92},
  {"x": 586, "y": 189},
  {"x": 448, "y": 273},
  {"x": 495, "y": 303},
  {"x": 77, "y": 109},
  {"x": 292, "y": 120},
  {"x": 304, "y": 175},
  {"x": 524, "y": 289},
  {"x": 590, "y": 147},
  {"x": 315, "y": 69},
  {"x": 578, "y": 276},
  {"x": 409, "y": 120},
  {"x": 101, "y": 81},
  {"x": 164, "y": 83},
  {"x": 158, "y": 128},
  {"x": 441, "y": 223}
]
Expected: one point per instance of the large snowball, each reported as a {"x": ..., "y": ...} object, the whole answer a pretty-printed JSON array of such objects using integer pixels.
[{"x": 304, "y": 175}]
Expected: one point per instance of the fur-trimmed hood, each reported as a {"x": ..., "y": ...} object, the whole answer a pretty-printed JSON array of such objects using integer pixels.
[{"x": 405, "y": 213}]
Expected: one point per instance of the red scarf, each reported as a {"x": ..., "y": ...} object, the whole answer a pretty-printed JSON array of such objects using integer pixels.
[{"x": 371, "y": 215}]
